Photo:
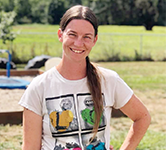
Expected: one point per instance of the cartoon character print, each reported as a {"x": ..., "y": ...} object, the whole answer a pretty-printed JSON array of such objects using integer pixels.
[
  {"x": 63, "y": 120},
  {"x": 88, "y": 114},
  {"x": 69, "y": 146},
  {"x": 59, "y": 147},
  {"x": 72, "y": 146},
  {"x": 96, "y": 145}
]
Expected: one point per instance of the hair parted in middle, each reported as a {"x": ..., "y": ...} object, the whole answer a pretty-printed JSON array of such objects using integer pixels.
[{"x": 79, "y": 12}]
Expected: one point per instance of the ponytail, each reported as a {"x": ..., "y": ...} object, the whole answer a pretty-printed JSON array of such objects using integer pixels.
[{"x": 94, "y": 85}]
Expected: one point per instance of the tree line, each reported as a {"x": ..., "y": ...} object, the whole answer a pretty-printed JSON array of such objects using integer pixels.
[{"x": 109, "y": 12}]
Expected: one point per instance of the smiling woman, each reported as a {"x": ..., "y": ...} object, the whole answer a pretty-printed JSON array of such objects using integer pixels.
[
  {"x": 78, "y": 37},
  {"x": 70, "y": 105}
]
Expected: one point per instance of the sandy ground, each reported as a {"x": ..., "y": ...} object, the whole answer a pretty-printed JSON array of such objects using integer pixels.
[{"x": 9, "y": 98}]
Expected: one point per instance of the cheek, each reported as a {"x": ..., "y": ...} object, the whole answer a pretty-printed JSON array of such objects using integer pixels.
[
  {"x": 67, "y": 41},
  {"x": 89, "y": 45}
]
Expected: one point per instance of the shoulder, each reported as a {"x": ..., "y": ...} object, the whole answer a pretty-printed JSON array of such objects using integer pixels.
[
  {"x": 43, "y": 78},
  {"x": 107, "y": 73}
]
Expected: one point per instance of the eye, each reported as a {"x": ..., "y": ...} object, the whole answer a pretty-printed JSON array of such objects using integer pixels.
[
  {"x": 72, "y": 35},
  {"x": 87, "y": 37}
]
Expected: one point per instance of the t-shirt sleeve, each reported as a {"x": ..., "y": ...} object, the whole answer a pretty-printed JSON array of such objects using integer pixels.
[
  {"x": 122, "y": 94},
  {"x": 32, "y": 97}
]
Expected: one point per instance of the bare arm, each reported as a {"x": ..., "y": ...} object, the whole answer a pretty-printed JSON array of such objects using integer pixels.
[
  {"x": 32, "y": 130},
  {"x": 137, "y": 112}
]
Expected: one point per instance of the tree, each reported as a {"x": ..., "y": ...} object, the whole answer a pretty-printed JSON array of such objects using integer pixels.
[
  {"x": 102, "y": 10},
  {"x": 39, "y": 11},
  {"x": 162, "y": 12},
  {"x": 6, "y": 5},
  {"x": 55, "y": 11},
  {"x": 147, "y": 13},
  {"x": 23, "y": 10},
  {"x": 6, "y": 22}
]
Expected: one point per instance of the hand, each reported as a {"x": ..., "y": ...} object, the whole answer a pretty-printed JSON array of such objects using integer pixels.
[{"x": 111, "y": 147}]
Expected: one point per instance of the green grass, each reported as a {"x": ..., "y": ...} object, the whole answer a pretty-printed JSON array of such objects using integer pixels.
[
  {"x": 151, "y": 141},
  {"x": 10, "y": 137},
  {"x": 141, "y": 75},
  {"x": 39, "y": 39}
]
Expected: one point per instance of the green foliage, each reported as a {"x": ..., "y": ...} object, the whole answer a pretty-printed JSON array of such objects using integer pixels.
[
  {"x": 147, "y": 13},
  {"x": 128, "y": 12},
  {"x": 39, "y": 11},
  {"x": 55, "y": 11},
  {"x": 23, "y": 11},
  {"x": 162, "y": 12},
  {"x": 115, "y": 12},
  {"x": 7, "y": 5},
  {"x": 6, "y": 22},
  {"x": 6, "y": 33}
]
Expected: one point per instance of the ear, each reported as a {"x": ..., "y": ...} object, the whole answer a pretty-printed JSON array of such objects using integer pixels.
[
  {"x": 60, "y": 35},
  {"x": 95, "y": 39}
]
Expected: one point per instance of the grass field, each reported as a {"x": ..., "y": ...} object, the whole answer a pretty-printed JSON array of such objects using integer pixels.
[
  {"x": 113, "y": 40},
  {"x": 148, "y": 80}
]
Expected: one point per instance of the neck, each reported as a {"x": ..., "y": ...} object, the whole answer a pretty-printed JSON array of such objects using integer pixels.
[{"x": 72, "y": 70}]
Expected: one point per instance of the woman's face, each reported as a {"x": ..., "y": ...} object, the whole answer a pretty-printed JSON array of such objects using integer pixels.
[{"x": 77, "y": 39}]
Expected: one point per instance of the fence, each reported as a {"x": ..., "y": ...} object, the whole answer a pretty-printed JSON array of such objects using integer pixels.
[
  {"x": 153, "y": 45},
  {"x": 28, "y": 45}
]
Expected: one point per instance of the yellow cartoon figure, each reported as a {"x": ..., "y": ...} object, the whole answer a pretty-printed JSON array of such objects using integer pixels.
[{"x": 61, "y": 120}]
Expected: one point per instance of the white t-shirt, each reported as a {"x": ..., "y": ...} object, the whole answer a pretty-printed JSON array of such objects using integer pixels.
[{"x": 67, "y": 109}]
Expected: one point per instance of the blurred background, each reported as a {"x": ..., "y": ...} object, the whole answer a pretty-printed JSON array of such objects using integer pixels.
[{"x": 127, "y": 32}]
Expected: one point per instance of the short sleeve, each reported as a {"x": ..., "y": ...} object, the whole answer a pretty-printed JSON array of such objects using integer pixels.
[
  {"x": 122, "y": 94},
  {"x": 32, "y": 97}
]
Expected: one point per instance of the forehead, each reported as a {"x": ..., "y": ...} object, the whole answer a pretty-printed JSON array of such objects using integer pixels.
[{"x": 79, "y": 25}]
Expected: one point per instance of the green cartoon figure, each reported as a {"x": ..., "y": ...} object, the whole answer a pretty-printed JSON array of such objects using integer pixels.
[{"x": 88, "y": 114}]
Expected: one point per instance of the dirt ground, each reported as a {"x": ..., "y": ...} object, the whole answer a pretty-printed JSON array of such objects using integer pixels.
[{"x": 9, "y": 98}]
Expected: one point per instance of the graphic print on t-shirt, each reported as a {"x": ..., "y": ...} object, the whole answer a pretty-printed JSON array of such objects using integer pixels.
[
  {"x": 71, "y": 122},
  {"x": 86, "y": 108},
  {"x": 62, "y": 113}
]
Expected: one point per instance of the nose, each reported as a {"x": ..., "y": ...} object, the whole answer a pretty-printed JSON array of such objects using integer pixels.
[{"x": 79, "y": 42}]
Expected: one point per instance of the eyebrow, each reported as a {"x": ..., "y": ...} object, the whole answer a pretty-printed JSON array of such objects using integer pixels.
[{"x": 76, "y": 32}]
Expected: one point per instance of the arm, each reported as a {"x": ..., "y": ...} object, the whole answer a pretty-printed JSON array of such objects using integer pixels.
[
  {"x": 137, "y": 112},
  {"x": 32, "y": 130}
]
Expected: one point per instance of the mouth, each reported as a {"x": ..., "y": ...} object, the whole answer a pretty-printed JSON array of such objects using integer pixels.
[{"x": 77, "y": 51}]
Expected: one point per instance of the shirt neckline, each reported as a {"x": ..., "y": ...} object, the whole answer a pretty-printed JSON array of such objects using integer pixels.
[{"x": 67, "y": 80}]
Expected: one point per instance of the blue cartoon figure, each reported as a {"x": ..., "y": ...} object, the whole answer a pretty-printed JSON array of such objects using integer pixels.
[{"x": 96, "y": 145}]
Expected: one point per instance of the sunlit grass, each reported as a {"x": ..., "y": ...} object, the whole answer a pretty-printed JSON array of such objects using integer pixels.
[
  {"x": 151, "y": 141},
  {"x": 122, "y": 40},
  {"x": 141, "y": 75}
]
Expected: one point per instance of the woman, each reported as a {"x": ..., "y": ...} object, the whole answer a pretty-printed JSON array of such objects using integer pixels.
[{"x": 69, "y": 106}]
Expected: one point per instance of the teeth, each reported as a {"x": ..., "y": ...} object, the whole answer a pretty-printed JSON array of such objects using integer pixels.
[{"x": 78, "y": 52}]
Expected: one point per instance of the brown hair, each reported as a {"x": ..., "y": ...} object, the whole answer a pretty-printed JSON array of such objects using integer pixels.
[{"x": 94, "y": 85}]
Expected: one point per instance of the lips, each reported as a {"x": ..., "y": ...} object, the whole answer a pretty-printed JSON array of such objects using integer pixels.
[{"x": 77, "y": 51}]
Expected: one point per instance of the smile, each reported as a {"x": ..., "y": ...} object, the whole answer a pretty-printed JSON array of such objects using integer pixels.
[{"x": 76, "y": 51}]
